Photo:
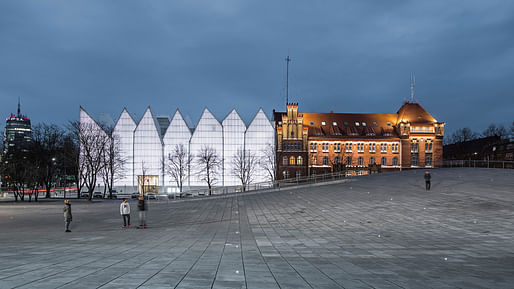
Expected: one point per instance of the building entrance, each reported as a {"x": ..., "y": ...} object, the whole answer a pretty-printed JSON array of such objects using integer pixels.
[{"x": 148, "y": 184}]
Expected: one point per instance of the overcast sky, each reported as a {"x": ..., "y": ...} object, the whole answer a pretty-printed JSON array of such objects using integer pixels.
[{"x": 347, "y": 56}]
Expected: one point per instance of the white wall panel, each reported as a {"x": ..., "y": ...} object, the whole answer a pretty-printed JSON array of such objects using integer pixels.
[
  {"x": 233, "y": 139},
  {"x": 147, "y": 148},
  {"x": 259, "y": 135},
  {"x": 124, "y": 135},
  {"x": 177, "y": 133}
]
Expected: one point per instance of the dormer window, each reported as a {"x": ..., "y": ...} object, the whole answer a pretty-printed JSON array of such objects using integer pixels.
[
  {"x": 375, "y": 123},
  {"x": 357, "y": 123},
  {"x": 334, "y": 123},
  {"x": 312, "y": 123},
  {"x": 388, "y": 124},
  {"x": 363, "y": 124},
  {"x": 323, "y": 123},
  {"x": 345, "y": 123}
]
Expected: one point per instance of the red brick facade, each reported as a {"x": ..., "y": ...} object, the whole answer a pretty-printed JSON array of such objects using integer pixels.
[{"x": 411, "y": 138}]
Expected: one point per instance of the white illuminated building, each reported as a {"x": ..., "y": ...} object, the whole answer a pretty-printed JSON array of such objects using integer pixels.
[{"x": 146, "y": 145}]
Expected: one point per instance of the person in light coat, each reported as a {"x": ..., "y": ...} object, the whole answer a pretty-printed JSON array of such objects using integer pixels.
[{"x": 125, "y": 212}]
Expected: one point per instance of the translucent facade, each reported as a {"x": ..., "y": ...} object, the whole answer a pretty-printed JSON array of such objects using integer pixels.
[
  {"x": 124, "y": 137},
  {"x": 259, "y": 139},
  {"x": 233, "y": 140},
  {"x": 148, "y": 150},
  {"x": 146, "y": 146},
  {"x": 208, "y": 133},
  {"x": 178, "y": 133}
]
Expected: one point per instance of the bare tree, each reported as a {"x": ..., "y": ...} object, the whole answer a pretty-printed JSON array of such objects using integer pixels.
[
  {"x": 462, "y": 135},
  {"x": 46, "y": 145},
  {"x": 244, "y": 166},
  {"x": 209, "y": 163},
  {"x": 493, "y": 130},
  {"x": 93, "y": 143},
  {"x": 114, "y": 161},
  {"x": 268, "y": 161},
  {"x": 177, "y": 164}
]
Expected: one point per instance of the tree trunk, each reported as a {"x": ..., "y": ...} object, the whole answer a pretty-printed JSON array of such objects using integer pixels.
[{"x": 47, "y": 192}]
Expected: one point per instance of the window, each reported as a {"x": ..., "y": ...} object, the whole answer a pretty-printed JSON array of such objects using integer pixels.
[
  {"x": 371, "y": 147},
  {"x": 299, "y": 160},
  {"x": 337, "y": 147},
  {"x": 388, "y": 124},
  {"x": 383, "y": 161},
  {"x": 349, "y": 147},
  {"x": 428, "y": 161},
  {"x": 314, "y": 160},
  {"x": 314, "y": 147},
  {"x": 325, "y": 161},
  {"x": 375, "y": 123},
  {"x": 360, "y": 147},
  {"x": 395, "y": 161},
  {"x": 428, "y": 146},
  {"x": 323, "y": 123},
  {"x": 298, "y": 174},
  {"x": 356, "y": 123},
  {"x": 336, "y": 160},
  {"x": 383, "y": 148},
  {"x": 292, "y": 160},
  {"x": 372, "y": 160},
  {"x": 345, "y": 123},
  {"x": 363, "y": 124},
  {"x": 394, "y": 147},
  {"x": 334, "y": 123},
  {"x": 286, "y": 174},
  {"x": 414, "y": 146},
  {"x": 348, "y": 161},
  {"x": 414, "y": 161},
  {"x": 361, "y": 161},
  {"x": 312, "y": 123},
  {"x": 284, "y": 161}
]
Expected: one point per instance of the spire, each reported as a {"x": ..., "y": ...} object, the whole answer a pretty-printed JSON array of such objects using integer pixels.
[
  {"x": 19, "y": 109},
  {"x": 288, "y": 59},
  {"x": 412, "y": 82}
]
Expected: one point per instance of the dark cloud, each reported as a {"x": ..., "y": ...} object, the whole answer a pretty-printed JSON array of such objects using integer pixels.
[{"x": 348, "y": 56}]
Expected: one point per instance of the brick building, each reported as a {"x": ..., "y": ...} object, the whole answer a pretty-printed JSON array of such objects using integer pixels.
[{"x": 318, "y": 143}]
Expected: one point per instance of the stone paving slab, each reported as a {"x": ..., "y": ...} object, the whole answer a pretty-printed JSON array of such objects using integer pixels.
[{"x": 378, "y": 231}]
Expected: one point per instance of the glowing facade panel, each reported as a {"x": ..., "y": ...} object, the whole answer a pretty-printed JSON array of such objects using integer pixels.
[
  {"x": 233, "y": 140},
  {"x": 148, "y": 148},
  {"x": 178, "y": 133},
  {"x": 259, "y": 137},
  {"x": 208, "y": 133},
  {"x": 124, "y": 136}
]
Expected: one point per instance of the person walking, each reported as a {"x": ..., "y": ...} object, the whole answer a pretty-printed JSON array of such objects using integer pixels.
[
  {"x": 427, "y": 180},
  {"x": 125, "y": 212},
  {"x": 142, "y": 212},
  {"x": 67, "y": 215}
]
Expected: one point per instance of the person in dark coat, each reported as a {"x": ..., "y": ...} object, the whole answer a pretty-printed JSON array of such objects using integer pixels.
[
  {"x": 67, "y": 215},
  {"x": 427, "y": 180},
  {"x": 141, "y": 205}
]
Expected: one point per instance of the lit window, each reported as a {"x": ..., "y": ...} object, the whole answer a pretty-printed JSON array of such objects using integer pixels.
[
  {"x": 323, "y": 123},
  {"x": 363, "y": 124},
  {"x": 356, "y": 123},
  {"x": 299, "y": 160},
  {"x": 291, "y": 160},
  {"x": 334, "y": 123}
]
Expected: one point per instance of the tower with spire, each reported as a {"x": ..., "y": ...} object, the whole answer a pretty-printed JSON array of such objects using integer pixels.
[{"x": 18, "y": 132}]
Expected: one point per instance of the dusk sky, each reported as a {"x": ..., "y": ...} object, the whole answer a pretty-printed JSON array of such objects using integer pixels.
[{"x": 347, "y": 56}]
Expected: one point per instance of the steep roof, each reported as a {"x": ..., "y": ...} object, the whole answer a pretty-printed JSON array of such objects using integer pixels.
[{"x": 414, "y": 113}]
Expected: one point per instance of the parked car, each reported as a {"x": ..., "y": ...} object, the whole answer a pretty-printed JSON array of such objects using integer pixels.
[
  {"x": 134, "y": 195},
  {"x": 98, "y": 195},
  {"x": 84, "y": 195},
  {"x": 150, "y": 196}
]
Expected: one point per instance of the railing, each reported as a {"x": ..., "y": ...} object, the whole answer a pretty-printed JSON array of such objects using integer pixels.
[
  {"x": 478, "y": 164},
  {"x": 265, "y": 186}
]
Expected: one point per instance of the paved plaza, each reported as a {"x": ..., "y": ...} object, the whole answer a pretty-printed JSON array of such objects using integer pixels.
[{"x": 378, "y": 231}]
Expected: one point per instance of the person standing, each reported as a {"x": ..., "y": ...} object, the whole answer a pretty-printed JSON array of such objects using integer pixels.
[
  {"x": 142, "y": 212},
  {"x": 427, "y": 180},
  {"x": 67, "y": 215},
  {"x": 125, "y": 212}
]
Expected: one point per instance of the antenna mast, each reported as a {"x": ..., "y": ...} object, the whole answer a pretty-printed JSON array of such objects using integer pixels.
[
  {"x": 412, "y": 82},
  {"x": 288, "y": 59}
]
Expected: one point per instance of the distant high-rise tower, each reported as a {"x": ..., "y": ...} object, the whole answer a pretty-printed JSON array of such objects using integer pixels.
[{"x": 18, "y": 132}]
